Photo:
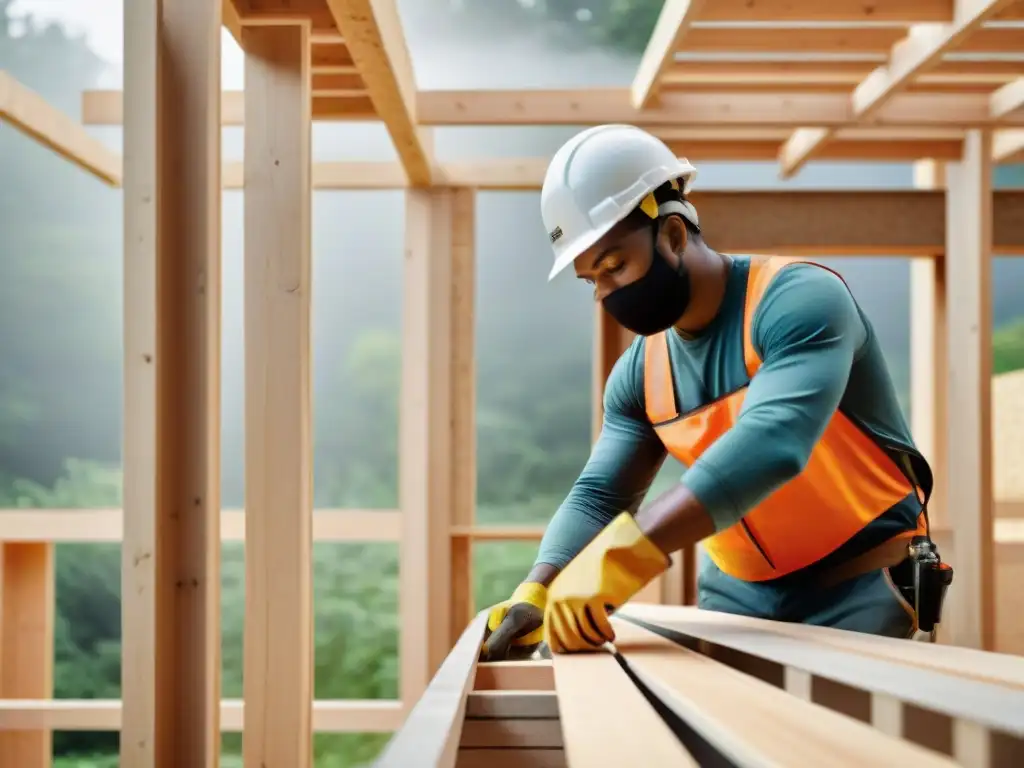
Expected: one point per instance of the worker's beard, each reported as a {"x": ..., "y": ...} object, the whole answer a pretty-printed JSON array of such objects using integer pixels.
[{"x": 656, "y": 301}]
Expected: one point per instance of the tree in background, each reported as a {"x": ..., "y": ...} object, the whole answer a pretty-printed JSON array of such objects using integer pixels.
[{"x": 1008, "y": 347}]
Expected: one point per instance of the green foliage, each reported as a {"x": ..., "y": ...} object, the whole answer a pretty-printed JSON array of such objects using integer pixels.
[{"x": 1008, "y": 347}]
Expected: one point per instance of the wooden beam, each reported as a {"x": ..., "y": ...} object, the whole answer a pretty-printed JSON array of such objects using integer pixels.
[
  {"x": 433, "y": 730},
  {"x": 969, "y": 225},
  {"x": 1008, "y": 98},
  {"x": 278, "y": 663},
  {"x": 29, "y": 113},
  {"x": 425, "y": 439},
  {"x": 28, "y": 594},
  {"x": 373, "y": 35},
  {"x": 833, "y": 11},
  {"x": 922, "y": 48},
  {"x": 329, "y": 716},
  {"x": 463, "y": 407},
  {"x": 668, "y": 35},
  {"x": 928, "y": 367},
  {"x": 1008, "y": 146},
  {"x": 699, "y": 110},
  {"x": 107, "y": 525},
  {"x": 171, "y": 552}
]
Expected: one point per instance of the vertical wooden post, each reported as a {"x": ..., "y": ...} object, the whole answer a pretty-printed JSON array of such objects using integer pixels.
[
  {"x": 26, "y": 642},
  {"x": 278, "y": 656},
  {"x": 463, "y": 405},
  {"x": 171, "y": 546},
  {"x": 969, "y": 438},
  {"x": 928, "y": 355},
  {"x": 425, "y": 439}
]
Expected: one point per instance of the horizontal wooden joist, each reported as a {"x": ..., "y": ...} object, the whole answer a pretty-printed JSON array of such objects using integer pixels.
[
  {"x": 329, "y": 716},
  {"x": 27, "y": 111},
  {"x": 763, "y": 109},
  {"x": 899, "y": 11}
]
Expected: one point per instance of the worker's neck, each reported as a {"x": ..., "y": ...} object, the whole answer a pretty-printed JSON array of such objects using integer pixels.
[{"x": 709, "y": 277}]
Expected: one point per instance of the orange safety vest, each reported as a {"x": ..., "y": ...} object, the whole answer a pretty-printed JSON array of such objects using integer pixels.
[{"x": 848, "y": 482}]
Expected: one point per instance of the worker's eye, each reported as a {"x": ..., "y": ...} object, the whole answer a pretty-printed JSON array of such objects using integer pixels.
[{"x": 612, "y": 266}]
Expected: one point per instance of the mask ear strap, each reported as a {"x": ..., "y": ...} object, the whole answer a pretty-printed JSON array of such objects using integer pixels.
[{"x": 683, "y": 207}]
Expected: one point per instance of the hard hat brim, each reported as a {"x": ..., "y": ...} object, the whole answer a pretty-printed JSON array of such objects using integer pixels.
[{"x": 576, "y": 248}]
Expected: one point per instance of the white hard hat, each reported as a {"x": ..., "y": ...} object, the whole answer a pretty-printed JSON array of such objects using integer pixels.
[{"x": 598, "y": 177}]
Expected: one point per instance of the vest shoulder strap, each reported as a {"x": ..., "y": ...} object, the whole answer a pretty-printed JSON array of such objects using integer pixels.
[
  {"x": 762, "y": 271},
  {"x": 659, "y": 394}
]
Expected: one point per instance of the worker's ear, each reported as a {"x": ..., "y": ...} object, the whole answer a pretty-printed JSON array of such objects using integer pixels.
[{"x": 673, "y": 235}]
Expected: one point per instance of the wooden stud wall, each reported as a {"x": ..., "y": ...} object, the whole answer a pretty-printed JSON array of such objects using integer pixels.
[{"x": 278, "y": 654}]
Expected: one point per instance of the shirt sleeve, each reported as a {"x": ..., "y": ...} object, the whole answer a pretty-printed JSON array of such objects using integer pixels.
[
  {"x": 808, "y": 331},
  {"x": 619, "y": 472}
]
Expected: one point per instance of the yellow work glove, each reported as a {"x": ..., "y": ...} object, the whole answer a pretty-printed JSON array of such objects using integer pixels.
[
  {"x": 612, "y": 568},
  {"x": 514, "y": 626}
]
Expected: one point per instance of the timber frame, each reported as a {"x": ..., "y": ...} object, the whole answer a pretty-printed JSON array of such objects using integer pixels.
[
  {"x": 701, "y": 688},
  {"x": 939, "y": 83}
]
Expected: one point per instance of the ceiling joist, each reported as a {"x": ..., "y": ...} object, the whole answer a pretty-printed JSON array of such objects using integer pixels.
[
  {"x": 373, "y": 35},
  {"x": 922, "y": 48},
  {"x": 31, "y": 114},
  {"x": 672, "y": 25}
]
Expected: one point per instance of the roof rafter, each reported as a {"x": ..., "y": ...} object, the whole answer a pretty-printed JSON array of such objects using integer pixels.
[
  {"x": 672, "y": 25},
  {"x": 1008, "y": 146},
  {"x": 372, "y": 31},
  {"x": 923, "y": 47},
  {"x": 30, "y": 113},
  {"x": 1007, "y": 99}
]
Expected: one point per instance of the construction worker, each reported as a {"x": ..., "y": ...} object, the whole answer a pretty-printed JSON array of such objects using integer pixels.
[{"x": 764, "y": 378}]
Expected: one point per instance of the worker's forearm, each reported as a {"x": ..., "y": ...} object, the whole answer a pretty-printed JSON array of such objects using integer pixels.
[
  {"x": 543, "y": 573},
  {"x": 675, "y": 520}
]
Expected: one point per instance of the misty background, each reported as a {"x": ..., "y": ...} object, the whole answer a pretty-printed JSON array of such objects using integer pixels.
[{"x": 61, "y": 330}]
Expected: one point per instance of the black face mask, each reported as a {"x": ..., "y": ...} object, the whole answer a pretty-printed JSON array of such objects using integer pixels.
[{"x": 655, "y": 301}]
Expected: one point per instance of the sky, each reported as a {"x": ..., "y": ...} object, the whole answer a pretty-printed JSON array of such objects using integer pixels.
[{"x": 101, "y": 21}]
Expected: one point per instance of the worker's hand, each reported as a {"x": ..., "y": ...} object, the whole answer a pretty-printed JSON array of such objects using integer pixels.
[
  {"x": 616, "y": 565},
  {"x": 514, "y": 626}
]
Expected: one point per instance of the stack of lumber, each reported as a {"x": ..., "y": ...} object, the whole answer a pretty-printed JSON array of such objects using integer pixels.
[{"x": 685, "y": 687}]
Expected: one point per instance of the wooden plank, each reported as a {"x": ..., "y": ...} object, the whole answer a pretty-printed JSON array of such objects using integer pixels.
[
  {"x": 1008, "y": 146},
  {"x": 329, "y": 716},
  {"x": 700, "y": 110},
  {"x": 425, "y": 439},
  {"x": 514, "y": 676},
  {"x": 463, "y": 406},
  {"x": 922, "y": 47},
  {"x": 668, "y": 35},
  {"x": 832, "y": 11},
  {"x": 508, "y": 733},
  {"x": 928, "y": 405},
  {"x": 27, "y": 111},
  {"x": 171, "y": 555},
  {"x": 752, "y": 722},
  {"x": 629, "y": 732},
  {"x": 969, "y": 217},
  {"x": 28, "y": 594},
  {"x": 511, "y": 758},
  {"x": 991, "y": 704},
  {"x": 278, "y": 660},
  {"x": 512, "y": 704},
  {"x": 431, "y": 733},
  {"x": 107, "y": 525},
  {"x": 1007, "y": 99},
  {"x": 373, "y": 36}
]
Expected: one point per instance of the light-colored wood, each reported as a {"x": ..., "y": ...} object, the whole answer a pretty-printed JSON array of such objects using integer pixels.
[
  {"x": 425, "y": 439},
  {"x": 329, "y": 716},
  {"x": 107, "y": 525},
  {"x": 512, "y": 704},
  {"x": 1008, "y": 146},
  {"x": 171, "y": 552},
  {"x": 26, "y": 644},
  {"x": 668, "y": 36},
  {"x": 753, "y": 722},
  {"x": 922, "y": 47},
  {"x": 373, "y": 35},
  {"x": 597, "y": 732},
  {"x": 1007, "y": 98},
  {"x": 700, "y": 110},
  {"x": 887, "y": 715},
  {"x": 431, "y": 734},
  {"x": 522, "y": 733},
  {"x": 1008, "y": 443},
  {"x": 278, "y": 659},
  {"x": 900, "y": 11},
  {"x": 514, "y": 676},
  {"x": 928, "y": 355},
  {"x": 969, "y": 218},
  {"x": 28, "y": 112},
  {"x": 463, "y": 406}
]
